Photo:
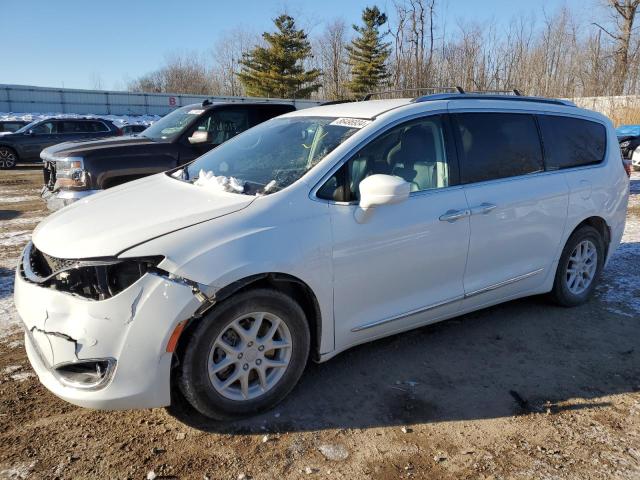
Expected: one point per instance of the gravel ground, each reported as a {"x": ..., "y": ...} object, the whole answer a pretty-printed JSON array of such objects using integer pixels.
[{"x": 521, "y": 390}]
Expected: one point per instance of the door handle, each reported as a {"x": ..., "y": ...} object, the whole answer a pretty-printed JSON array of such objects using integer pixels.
[
  {"x": 483, "y": 208},
  {"x": 453, "y": 215}
]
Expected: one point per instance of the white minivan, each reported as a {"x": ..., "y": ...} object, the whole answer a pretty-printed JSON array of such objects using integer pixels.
[{"x": 311, "y": 233}]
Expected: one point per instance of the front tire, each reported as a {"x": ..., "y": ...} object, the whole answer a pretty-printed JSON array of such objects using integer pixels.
[
  {"x": 8, "y": 158},
  {"x": 579, "y": 267},
  {"x": 245, "y": 355}
]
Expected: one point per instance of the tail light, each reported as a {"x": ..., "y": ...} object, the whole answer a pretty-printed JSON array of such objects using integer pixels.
[
  {"x": 119, "y": 132},
  {"x": 627, "y": 166}
]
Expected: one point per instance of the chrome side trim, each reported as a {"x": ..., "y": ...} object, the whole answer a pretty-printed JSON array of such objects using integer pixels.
[
  {"x": 495, "y": 286},
  {"x": 503, "y": 284},
  {"x": 406, "y": 314}
]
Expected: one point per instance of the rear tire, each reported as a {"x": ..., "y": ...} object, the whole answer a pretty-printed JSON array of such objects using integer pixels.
[
  {"x": 223, "y": 346},
  {"x": 8, "y": 158},
  {"x": 579, "y": 267}
]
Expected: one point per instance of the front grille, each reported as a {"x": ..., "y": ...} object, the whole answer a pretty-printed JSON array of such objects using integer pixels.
[{"x": 49, "y": 173}]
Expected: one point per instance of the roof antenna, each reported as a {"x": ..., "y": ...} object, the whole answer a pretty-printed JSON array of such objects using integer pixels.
[
  {"x": 206, "y": 102},
  {"x": 459, "y": 89}
]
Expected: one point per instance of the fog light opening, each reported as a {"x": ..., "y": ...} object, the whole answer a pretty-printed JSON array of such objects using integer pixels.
[{"x": 88, "y": 374}]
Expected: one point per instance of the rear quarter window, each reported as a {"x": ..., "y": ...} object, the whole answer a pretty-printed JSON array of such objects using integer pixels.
[
  {"x": 497, "y": 145},
  {"x": 572, "y": 142}
]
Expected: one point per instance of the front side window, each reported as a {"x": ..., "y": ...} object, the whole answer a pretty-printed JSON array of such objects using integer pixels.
[
  {"x": 223, "y": 124},
  {"x": 268, "y": 157},
  {"x": 98, "y": 127},
  {"x": 414, "y": 151},
  {"x": 44, "y": 128},
  {"x": 572, "y": 142},
  {"x": 497, "y": 145}
]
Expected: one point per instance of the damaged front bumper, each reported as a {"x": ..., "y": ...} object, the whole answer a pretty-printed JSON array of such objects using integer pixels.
[{"x": 107, "y": 354}]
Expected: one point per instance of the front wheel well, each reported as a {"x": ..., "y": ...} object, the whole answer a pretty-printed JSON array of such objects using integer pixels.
[{"x": 291, "y": 286}]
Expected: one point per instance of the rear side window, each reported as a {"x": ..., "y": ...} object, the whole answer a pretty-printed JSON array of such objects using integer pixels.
[
  {"x": 571, "y": 142},
  {"x": 497, "y": 145}
]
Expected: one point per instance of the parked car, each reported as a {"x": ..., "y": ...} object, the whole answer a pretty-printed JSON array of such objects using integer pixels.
[
  {"x": 10, "y": 126},
  {"x": 133, "y": 128},
  {"x": 324, "y": 228},
  {"x": 76, "y": 170},
  {"x": 25, "y": 144},
  {"x": 629, "y": 139}
]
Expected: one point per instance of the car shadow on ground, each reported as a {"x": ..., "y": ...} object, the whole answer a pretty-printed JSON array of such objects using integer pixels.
[{"x": 520, "y": 357}]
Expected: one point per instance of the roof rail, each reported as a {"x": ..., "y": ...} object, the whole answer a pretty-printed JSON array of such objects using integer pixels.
[
  {"x": 514, "y": 97},
  {"x": 431, "y": 89}
]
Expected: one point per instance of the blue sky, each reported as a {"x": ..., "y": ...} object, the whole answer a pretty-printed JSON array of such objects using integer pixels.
[{"x": 73, "y": 43}]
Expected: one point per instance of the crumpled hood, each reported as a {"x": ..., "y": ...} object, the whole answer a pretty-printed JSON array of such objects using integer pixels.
[
  {"x": 87, "y": 147},
  {"x": 105, "y": 224}
]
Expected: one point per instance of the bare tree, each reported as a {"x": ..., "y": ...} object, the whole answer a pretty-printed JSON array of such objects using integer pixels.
[
  {"x": 331, "y": 55},
  {"x": 624, "y": 13}
]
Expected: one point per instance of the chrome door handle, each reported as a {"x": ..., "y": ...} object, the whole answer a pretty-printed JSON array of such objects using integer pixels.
[
  {"x": 453, "y": 215},
  {"x": 483, "y": 208}
]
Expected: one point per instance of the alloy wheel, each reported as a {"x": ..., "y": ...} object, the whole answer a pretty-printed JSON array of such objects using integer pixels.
[
  {"x": 250, "y": 356},
  {"x": 7, "y": 158},
  {"x": 581, "y": 268}
]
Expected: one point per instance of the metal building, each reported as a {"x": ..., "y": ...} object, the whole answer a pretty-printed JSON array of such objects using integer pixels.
[{"x": 29, "y": 99}]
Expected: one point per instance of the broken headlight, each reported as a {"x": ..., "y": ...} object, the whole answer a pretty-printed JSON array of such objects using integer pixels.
[
  {"x": 70, "y": 173},
  {"x": 97, "y": 279}
]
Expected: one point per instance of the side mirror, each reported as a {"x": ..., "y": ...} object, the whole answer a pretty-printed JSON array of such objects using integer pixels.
[
  {"x": 29, "y": 132},
  {"x": 199, "y": 136},
  {"x": 378, "y": 190}
]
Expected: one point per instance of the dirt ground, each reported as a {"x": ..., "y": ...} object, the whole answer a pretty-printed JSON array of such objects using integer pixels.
[{"x": 521, "y": 390}]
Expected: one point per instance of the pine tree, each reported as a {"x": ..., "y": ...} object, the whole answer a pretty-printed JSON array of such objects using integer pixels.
[
  {"x": 368, "y": 53},
  {"x": 277, "y": 70}
]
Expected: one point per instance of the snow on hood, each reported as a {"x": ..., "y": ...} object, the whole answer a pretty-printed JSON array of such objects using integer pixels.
[{"x": 107, "y": 223}]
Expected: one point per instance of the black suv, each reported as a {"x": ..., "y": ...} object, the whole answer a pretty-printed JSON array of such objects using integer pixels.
[
  {"x": 76, "y": 169},
  {"x": 25, "y": 144}
]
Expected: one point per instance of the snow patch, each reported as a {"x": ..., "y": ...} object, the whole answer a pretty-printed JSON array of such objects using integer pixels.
[
  {"x": 19, "y": 198},
  {"x": 11, "y": 239},
  {"x": 22, "y": 376},
  {"x": 219, "y": 183},
  {"x": 620, "y": 287},
  {"x": 18, "y": 471},
  {"x": 119, "y": 120}
]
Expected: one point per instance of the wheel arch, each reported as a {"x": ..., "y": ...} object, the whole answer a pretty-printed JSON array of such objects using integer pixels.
[
  {"x": 288, "y": 284},
  {"x": 600, "y": 224}
]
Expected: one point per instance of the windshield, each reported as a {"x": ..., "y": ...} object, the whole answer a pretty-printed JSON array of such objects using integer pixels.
[
  {"x": 27, "y": 127},
  {"x": 268, "y": 157},
  {"x": 173, "y": 124},
  {"x": 628, "y": 130}
]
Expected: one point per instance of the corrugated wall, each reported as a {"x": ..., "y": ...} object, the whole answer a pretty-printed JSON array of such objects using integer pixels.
[{"x": 27, "y": 99}]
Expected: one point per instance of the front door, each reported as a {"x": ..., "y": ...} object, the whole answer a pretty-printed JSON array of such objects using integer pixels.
[
  {"x": 405, "y": 265},
  {"x": 42, "y": 135},
  {"x": 518, "y": 211}
]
